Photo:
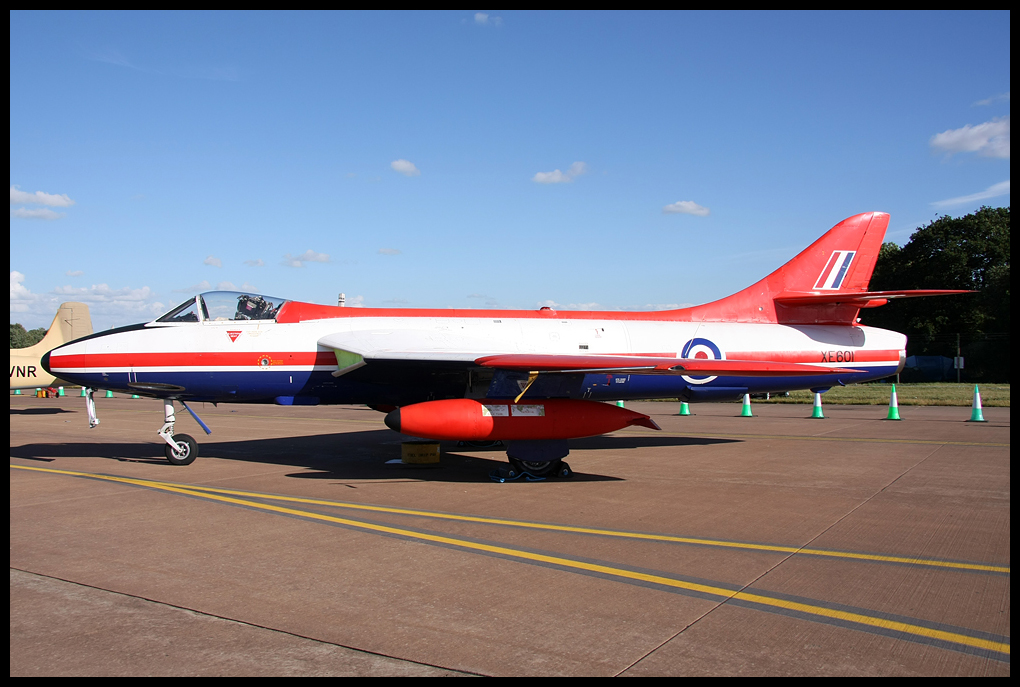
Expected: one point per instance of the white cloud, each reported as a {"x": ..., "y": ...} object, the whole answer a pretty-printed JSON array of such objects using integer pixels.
[
  {"x": 35, "y": 213},
  {"x": 558, "y": 177},
  {"x": 990, "y": 139},
  {"x": 405, "y": 167},
  {"x": 355, "y": 302},
  {"x": 484, "y": 19},
  {"x": 389, "y": 251},
  {"x": 226, "y": 286},
  {"x": 202, "y": 285},
  {"x": 993, "y": 191},
  {"x": 102, "y": 293},
  {"x": 308, "y": 256},
  {"x": 663, "y": 306},
  {"x": 255, "y": 263},
  {"x": 490, "y": 301},
  {"x": 686, "y": 207},
  {"x": 74, "y": 273},
  {"x": 19, "y": 197},
  {"x": 213, "y": 260},
  {"x": 1001, "y": 97},
  {"x": 18, "y": 290},
  {"x": 108, "y": 306},
  {"x": 548, "y": 304},
  {"x": 201, "y": 71}
]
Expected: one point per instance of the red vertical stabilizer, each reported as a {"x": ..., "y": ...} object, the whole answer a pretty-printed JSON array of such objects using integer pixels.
[{"x": 840, "y": 262}]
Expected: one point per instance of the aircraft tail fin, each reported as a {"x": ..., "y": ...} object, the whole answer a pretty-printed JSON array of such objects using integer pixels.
[
  {"x": 826, "y": 283},
  {"x": 71, "y": 322}
]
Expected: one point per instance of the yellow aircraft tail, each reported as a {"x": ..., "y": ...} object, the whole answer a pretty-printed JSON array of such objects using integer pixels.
[{"x": 71, "y": 322}]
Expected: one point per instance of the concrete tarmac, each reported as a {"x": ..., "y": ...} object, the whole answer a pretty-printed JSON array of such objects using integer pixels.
[{"x": 772, "y": 545}]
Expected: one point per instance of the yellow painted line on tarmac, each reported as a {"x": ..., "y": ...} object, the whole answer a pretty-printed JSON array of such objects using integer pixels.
[
  {"x": 774, "y": 548},
  {"x": 568, "y": 563}
]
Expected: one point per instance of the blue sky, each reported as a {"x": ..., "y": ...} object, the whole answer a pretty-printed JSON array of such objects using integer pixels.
[{"x": 480, "y": 158}]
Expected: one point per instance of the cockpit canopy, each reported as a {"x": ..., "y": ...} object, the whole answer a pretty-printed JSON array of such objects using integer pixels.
[{"x": 225, "y": 306}]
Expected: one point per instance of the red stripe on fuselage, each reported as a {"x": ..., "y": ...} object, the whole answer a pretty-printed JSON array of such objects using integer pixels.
[{"x": 175, "y": 359}]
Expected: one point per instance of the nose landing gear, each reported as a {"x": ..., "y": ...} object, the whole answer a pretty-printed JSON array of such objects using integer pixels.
[{"x": 180, "y": 449}]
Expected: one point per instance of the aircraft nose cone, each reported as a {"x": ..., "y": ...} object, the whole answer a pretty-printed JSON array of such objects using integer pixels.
[
  {"x": 45, "y": 362},
  {"x": 392, "y": 420}
]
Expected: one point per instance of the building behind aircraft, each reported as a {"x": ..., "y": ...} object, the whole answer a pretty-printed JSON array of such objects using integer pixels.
[{"x": 71, "y": 322}]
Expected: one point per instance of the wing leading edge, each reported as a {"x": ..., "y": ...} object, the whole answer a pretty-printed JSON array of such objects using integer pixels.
[{"x": 525, "y": 362}]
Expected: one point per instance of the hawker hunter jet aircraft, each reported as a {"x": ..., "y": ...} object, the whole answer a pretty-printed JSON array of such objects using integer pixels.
[{"x": 532, "y": 378}]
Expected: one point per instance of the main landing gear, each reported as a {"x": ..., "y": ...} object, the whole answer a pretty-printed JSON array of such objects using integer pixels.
[
  {"x": 559, "y": 468},
  {"x": 538, "y": 459},
  {"x": 180, "y": 449}
]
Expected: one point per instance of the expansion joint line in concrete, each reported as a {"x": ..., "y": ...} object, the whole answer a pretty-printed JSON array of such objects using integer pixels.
[{"x": 235, "y": 620}]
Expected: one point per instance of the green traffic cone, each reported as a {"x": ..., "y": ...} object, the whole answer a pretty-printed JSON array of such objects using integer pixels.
[
  {"x": 109, "y": 394},
  {"x": 894, "y": 406},
  {"x": 816, "y": 412},
  {"x": 83, "y": 394},
  {"x": 135, "y": 396},
  {"x": 60, "y": 391},
  {"x": 746, "y": 410},
  {"x": 619, "y": 404},
  {"x": 17, "y": 392},
  {"x": 975, "y": 412},
  {"x": 684, "y": 408}
]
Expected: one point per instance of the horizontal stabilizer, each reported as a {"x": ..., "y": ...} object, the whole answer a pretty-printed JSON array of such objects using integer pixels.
[
  {"x": 863, "y": 299},
  {"x": 634, "y": 364}
]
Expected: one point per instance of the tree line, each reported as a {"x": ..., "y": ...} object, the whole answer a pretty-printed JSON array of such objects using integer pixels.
[
  {"x": 23, "y": 339},
  {"x": 969, "y": 252}
]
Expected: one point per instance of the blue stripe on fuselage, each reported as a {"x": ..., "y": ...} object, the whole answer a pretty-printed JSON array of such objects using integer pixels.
[
  {"x": 603, "y": 387},
  {"x": 265, "y": 385}
]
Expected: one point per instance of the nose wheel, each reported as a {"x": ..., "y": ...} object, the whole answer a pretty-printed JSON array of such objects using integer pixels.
[{"x": 184, "y": 450}]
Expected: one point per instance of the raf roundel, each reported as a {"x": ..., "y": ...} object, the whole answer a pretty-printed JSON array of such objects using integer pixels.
[{"x": 701, "y": 349}]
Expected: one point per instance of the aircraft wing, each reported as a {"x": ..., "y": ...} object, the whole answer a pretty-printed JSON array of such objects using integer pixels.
[
  {"x": 354, "y": 349},
  {"x": 409, "y": 344},
  {"x": 634, "y": 364}
]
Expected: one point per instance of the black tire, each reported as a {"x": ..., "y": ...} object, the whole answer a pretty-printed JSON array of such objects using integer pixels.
[
  {"x": 535, "y": 468},
  {"x": 186, "y": 451}
]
